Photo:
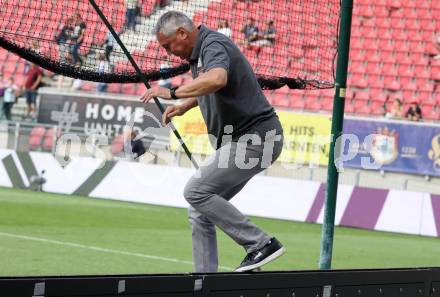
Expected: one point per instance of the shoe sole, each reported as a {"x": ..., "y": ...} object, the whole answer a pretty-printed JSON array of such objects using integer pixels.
[{"x": 272, "y": 257}]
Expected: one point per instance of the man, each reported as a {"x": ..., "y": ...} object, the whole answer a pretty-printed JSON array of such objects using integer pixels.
[
  {"x": 109, "y": 44},
  {"x": 77, "y": 39},
  {"x": 414, "y": 112},
  {"x": 270, "y": 33},
  {"x": 250, "y": 31},
  {"x": 130, "y": 14},
  {"x": 137, "y": 146},
  {"x": 11, "y": 92},
  {"x": 33, "y": 82},
  {"x": 243, "y": 125},
  {"x": 63, "y": 39}
]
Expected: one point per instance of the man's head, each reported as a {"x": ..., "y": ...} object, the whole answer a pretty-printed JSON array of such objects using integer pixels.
[
  {"x": 397, "y": 103},
  {"x": 78, "y": 17},
  {"x": 176, "y": 33},
  {"x": 251, "y": 21}
]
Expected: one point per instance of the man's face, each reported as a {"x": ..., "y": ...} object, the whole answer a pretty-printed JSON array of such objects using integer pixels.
[{"x": 176, "y": 44}]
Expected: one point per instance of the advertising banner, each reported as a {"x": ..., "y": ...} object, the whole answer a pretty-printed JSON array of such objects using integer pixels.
[
  {"x": 98, "y": 114},
  {"x": 392, "y": 146},
  {"x": 306, "y": 136}
]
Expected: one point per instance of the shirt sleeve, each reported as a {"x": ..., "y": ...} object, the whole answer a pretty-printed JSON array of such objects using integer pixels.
[{"x": 215, "y": 56}]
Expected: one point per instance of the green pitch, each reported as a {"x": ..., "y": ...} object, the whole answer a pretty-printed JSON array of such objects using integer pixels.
[{"x": 48, "y": 234}]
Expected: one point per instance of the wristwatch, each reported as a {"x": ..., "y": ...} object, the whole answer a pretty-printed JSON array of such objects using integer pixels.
[{"x": 173, "y": 93}]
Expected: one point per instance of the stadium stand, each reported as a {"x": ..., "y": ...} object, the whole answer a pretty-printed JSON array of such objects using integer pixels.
[{"x": 392, "y": 46}]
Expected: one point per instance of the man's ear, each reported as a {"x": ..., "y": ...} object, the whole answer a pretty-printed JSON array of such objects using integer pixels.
[{"x": 182, "y": 33}]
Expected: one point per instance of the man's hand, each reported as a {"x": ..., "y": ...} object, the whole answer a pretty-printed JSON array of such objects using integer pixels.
[
  {"x": 163, "y": 93},
  {"x": 172, "y": 111}
]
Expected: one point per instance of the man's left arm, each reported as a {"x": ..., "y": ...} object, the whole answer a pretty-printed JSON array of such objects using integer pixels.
[{"x": 216, "y": 63}]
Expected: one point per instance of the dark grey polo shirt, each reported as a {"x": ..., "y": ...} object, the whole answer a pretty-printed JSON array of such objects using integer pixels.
[{"x": 241, "y": 103}]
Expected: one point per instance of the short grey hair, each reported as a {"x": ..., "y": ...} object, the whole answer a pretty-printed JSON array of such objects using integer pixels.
[{"x": 170, "y": 21}]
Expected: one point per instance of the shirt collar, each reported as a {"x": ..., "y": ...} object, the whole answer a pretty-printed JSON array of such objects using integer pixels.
[{"x": 196, "y": 50}]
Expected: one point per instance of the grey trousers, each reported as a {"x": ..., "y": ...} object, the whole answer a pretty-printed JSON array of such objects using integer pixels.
[{"x": 218, "y": 180}]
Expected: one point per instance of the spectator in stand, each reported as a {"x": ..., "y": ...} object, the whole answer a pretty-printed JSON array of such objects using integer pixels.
[
  {"x": 270, "y": 33},
  {"x": 250, "y": 31},
  {"x": 223, "y": 27},
  {"x": 396, "y": 110},
  {"x": 77, "y": 38},
  {"x": 33, "y": 82},
  {"x": 137, "y": 146},
  {"x": 130, "y": 14},
  {"x": 414, "y": 112},
  {"x": 63, "y": 40},
  {"x": 103, "y": 67},
  {"x": 268, "y": 38},
  {"x": 109, "y": 44},
  {"x": 10, "y": 97}
]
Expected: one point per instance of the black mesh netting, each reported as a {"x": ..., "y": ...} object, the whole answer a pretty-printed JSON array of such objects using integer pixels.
[{"x": 290, "y": 43}]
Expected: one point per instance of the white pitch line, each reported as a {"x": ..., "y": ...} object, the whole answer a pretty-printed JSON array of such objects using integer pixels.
[{"x": 105, "y": 250}]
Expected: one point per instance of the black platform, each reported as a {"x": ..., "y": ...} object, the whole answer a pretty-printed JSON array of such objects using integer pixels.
[{"x": 414, "y": 282}]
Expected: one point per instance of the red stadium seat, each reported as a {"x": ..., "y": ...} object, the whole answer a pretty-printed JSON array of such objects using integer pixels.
[
  {"x": 280, "y": 99},
  {"x": 36, "y": 137},
  {"x": 429, "y": 112},
  {"x": 435, "y": 72},
  {"x": 403, "y": 58},
  {"x": 361, "y": 107},
  {"x": 349, "y": 106},
  {"x": 378, "y": 95},
  {"x": 425, "y": 85},
  {"x": 391, "y": 83},
  {"x": 426, "y": 98},
  {"x": 327, "y": 103},
  {"x": 375, "y": 81},
  {"x": 312, "y": 102},
  {"x": 386, "y": 45},
  {"x": 411, "y": 85},
  {"x": 389, "y": 69},
  {"x": 377, "y": 108},
  {"x": 297, "y": 102},
  {"x": 49, "y": 141},
  {"x": 427, "y": 23},
  {"x": 363, "y": 96},
  {"x": 359, "y": 81}
]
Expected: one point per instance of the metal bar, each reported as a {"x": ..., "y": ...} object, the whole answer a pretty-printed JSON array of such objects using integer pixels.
[{"x": 337, "y": 123}]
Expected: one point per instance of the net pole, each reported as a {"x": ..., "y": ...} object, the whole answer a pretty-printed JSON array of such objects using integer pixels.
[
  {"x": 336, "y": 132},
  {"x": 143, "y": 78}
]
